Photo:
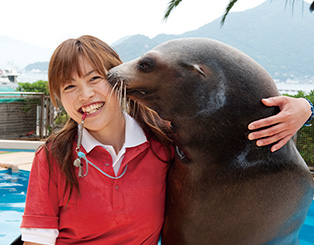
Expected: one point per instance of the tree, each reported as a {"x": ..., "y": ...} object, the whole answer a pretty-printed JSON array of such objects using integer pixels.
[
  {"x": 42, "y": 86},
  {"x": 305, "y": 139},
  {"x": 39, "y": 86},
  {"x": 174, "y": 3}
]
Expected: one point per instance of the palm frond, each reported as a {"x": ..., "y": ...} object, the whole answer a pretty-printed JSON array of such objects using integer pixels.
[
  {"x": 174, "y": 3},
  {"x": 229, "y": 7},
  {"x": 171, "y": 5}
]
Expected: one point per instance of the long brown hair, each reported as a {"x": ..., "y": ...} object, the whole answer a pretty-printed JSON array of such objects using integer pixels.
[{"x": 65, "y": 62}]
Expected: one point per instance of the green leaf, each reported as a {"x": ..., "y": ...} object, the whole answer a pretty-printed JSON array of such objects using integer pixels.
[
  {"x": 171, "y": 5},
  {"x": 229, "y": 7}
]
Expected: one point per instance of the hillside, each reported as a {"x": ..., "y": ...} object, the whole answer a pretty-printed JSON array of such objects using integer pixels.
[
  {"x": 279, "y": 38},
  {"x": 21, "y": 53}
]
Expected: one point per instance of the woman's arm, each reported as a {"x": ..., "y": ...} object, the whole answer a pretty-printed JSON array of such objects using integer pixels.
[
  {"x": 32, "y": 236},
  {"x": 42, "y": 203},
  {"x": 294, "y": 112}
]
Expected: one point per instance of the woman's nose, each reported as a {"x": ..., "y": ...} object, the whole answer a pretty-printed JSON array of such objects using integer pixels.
[{"x": 86, "y": 92}]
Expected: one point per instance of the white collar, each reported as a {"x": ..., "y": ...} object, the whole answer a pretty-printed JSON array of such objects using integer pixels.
[{"x": 134, "y": 136}]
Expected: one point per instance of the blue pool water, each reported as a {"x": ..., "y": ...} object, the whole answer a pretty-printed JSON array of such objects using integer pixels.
[
  {"x": 307, "y": 231},
  {"x": 16, "y": 150},
  {"x": 13, "y": 188}
]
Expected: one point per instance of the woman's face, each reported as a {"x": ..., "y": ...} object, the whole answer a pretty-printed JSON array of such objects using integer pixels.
[{"x": 90, "y": 94}]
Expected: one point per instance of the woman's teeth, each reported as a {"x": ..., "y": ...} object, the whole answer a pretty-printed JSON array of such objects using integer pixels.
[{"x": 92, "y": 108}]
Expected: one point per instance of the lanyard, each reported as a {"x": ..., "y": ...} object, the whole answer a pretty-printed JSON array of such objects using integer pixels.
[{"x": 80, "y": 155}]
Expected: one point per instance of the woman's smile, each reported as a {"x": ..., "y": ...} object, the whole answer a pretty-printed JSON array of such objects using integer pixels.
[
  {"x": 92, "y": 108},
  {"x": 90, "y": 95}
]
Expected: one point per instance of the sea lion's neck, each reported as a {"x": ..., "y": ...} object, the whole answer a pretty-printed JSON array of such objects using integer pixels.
[{"x": 202, "y": 138}]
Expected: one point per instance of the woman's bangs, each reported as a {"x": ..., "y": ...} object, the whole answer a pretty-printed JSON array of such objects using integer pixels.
[{"x": 71, "y": 66}]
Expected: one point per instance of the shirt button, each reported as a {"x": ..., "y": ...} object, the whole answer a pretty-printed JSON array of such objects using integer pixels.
[
  {"x": 116, "y": 187},
  {"x": 106, "y": 164}
]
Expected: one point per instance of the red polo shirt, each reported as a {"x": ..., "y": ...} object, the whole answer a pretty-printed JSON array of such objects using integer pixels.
[{"x": 129, "y": 210}]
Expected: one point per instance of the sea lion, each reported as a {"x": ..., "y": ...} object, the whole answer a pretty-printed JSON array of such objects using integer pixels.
[{"x": 221, "y": 188}]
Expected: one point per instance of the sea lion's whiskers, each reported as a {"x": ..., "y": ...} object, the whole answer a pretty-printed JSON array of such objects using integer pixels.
[
  {"x": 134, "y": 107},
  {"x": 122, "y": 96},
  {"x": 126, "y": 100},
  {"x": 113, "y": 90},
  {"x": 119, "y": 89}
]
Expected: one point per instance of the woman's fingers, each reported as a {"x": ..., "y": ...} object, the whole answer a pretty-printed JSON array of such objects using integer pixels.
[{"x": 280, "y": 127}]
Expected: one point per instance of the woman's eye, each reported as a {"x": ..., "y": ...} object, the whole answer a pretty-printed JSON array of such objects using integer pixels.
[
  {"x": 95, "y": 78},
  {"x": 68, "y": 87}
]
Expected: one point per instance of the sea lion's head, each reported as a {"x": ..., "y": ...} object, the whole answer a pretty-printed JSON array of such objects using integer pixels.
[{"x": 175, "y": 79}]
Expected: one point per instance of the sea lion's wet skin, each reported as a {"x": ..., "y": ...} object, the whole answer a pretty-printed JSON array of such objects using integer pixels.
[{"x": 223, "y": 189}]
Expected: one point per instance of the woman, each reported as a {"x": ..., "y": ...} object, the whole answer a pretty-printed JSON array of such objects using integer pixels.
[
  {"x": 125, "y": 206},
  {"x": 101, "y": 179}
]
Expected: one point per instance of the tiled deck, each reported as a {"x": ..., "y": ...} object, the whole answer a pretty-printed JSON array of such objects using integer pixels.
[{"x": 20, "y": 159}]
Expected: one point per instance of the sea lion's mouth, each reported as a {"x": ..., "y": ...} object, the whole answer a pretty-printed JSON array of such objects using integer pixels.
[
  {"x": 134, "y": 92},
  {"x": 122, "y": 83},
  {"x": 141, "y": 94}
]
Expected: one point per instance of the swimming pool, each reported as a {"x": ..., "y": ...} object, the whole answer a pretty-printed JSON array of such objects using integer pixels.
[
  {"x": 13, "y": 187},
  {"x": 307, "y": 231}
]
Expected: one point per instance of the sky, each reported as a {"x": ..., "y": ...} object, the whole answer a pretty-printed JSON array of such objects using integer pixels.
[{"x": 47, "y": 23}]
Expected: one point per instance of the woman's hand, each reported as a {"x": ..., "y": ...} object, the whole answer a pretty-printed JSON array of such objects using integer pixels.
[{"x": 294, "y": 112}]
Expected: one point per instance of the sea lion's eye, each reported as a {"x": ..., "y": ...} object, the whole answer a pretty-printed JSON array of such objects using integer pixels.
[{"x": 146, "y": 64}]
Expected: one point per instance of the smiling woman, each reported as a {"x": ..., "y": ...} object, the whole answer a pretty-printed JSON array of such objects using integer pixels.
[
  {"x": 92, "y": 93},
  {"x": 64, "y": 192}
]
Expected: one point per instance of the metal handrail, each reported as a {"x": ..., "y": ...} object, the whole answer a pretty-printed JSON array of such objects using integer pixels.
[
  {"x": 44, "y": 101},
  {"x": 19, "y": 93}
]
